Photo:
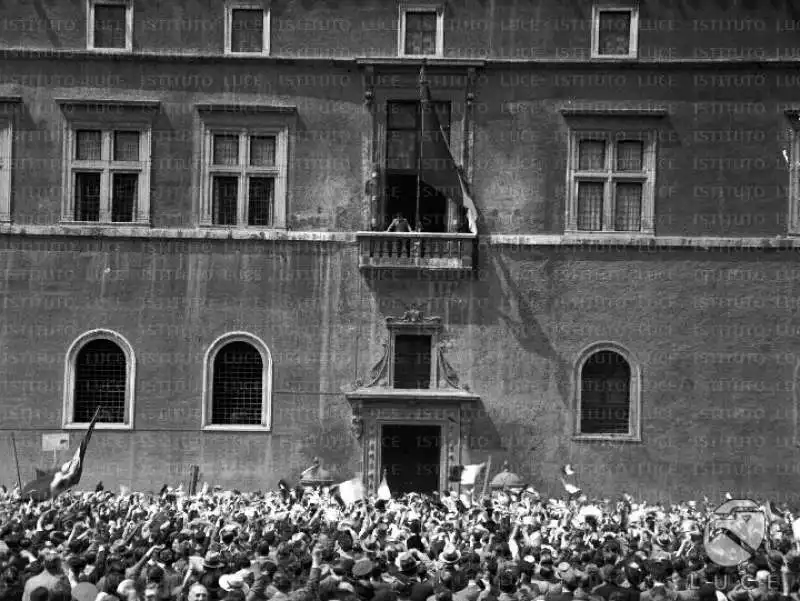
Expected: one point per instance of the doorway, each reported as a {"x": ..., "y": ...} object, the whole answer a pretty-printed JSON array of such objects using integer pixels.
[{"x": 410, "y": 454}]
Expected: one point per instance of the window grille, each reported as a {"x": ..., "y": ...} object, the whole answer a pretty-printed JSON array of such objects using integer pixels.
[
  {"x": 237, "y": 385},
  {"x": 100, "y": 381},
  {"x": 605, "y": 394}
]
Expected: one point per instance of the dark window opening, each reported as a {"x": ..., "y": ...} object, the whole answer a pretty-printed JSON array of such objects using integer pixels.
[
  {"x": 402, "y": 192},
  {"x": 605, "y": 394},
  {"x": 238, "y": 385},
  {"x": 260, "y": 198},
  {"x": 247, "y": 30},
  {"x": 100, "y": 381},
  {"x": 412, "y": 361},
  {"x": 123, "y": 200},
  {"x": 614, "y": 33},
  {"x": 420, "y": 33},
  {"x": 225, "y": 200},
  {"x": 110, "y": 26},
  {"x": 87, "y": 197}
]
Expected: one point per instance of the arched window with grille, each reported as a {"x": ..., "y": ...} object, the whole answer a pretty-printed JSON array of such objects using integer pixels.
[
  {"x": 608, "y": 394},
  {"x": 237, "y": 384},
  {"x": 99, "y": 374}
]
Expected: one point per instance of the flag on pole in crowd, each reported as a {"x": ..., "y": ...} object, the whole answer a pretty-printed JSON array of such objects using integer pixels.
[
  {"x": 70, "y": 473},
  {"x": 469, "y": 474},
  {"x": 438, "y": 167},
  {"x": 38, "y": 489},
  {"x": 383, "y": 490},
  {"x": 351, "y": 490},
  {"x": 48, "y": 484}
]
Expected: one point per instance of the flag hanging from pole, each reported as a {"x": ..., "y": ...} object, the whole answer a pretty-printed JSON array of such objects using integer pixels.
[
  {"x": 48, "y": 484},
  {"x": 70, "y": 473},
  {"x": 438, "y": 168}
]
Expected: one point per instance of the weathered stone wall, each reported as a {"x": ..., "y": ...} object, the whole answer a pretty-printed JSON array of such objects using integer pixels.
[{"x": 713, "y": 332}]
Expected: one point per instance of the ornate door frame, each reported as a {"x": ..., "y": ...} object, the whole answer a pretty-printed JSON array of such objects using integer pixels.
[{"x": 376, "y": 402}]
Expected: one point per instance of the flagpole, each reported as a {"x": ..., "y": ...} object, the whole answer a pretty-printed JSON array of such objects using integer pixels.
[
  {"x": 422, "y": 108},
  {"x": 486, "y": 476},
  {"x": 16, "y": 460}
]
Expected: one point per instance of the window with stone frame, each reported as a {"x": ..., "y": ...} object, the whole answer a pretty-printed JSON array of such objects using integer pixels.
[
  {"x": 237, "y": 390},
  {"x": 109, "y": 174},
  {"x": 608, "y": 394},
  {"x": 110, "y": 25},
  {"x": 6, "y": 137},
  {"x": 244, "y": 165},
  {"x": 100, "y": 374},
  {"x": 611, "y": 182},
  {"x": 245, "y": 174},
  {"x": 421, "y": 30},
  {"x": 247, "y": 28},
  {"x": 615, "y": 31}
]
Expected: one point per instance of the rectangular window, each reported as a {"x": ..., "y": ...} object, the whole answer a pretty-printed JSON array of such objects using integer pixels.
[
  {"x": 110, "y": 25},
  {"x": 412, "y": 361},
  {"x": 421, "y": 30},
  {"x": 109, "y": 175},
  {"x": 5, "y": 171},
  {"x": 615, "y": 31},
  {"x": 403, "y": 136},
  {"x": 612, "y": 178},
  {"x": 246, "y": 170},
  {"x": 246, "y": 29}
]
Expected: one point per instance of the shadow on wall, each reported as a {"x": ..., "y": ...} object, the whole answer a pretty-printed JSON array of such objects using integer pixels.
[{"x": 521, "y": 321}]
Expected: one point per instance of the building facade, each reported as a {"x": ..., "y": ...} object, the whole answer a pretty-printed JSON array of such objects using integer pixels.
[{"x": 194, "y": 202}]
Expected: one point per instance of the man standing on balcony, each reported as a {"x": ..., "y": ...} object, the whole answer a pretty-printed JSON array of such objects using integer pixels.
[{"x": 399, "y": 224}]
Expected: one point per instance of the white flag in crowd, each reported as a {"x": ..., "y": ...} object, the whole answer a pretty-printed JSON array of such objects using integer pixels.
[
  {"x": 570, "y": 488},
  {"x": 470, "y": 473},
  {"x": 383, "y": 490},
  {"x": 351, "y": 491}
]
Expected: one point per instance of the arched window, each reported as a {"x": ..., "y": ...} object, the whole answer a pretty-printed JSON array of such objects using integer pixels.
[
  {"x": 99, "y": 374},
  {"x": 608, "y": 394},
  {"x": 237, "y": 390}
]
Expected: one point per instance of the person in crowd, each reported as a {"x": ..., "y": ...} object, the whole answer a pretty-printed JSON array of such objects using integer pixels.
[{"x": 308, "y": 545}]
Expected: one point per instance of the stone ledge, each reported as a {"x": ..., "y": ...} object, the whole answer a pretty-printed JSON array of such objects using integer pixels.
[
  {"x": 205, "y": 233},
  {"x": 355, "y": 59},
  {"x": 569, "y": 240}
]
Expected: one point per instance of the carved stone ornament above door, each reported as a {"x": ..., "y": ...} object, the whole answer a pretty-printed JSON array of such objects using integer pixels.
[{"x": 413, "y": 322}]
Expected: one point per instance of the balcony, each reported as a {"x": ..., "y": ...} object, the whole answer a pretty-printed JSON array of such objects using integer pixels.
[{"x": 417, "y": 250}]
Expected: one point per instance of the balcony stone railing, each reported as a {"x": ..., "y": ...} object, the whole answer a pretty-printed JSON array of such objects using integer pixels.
[{"x": 417, "y": 250}]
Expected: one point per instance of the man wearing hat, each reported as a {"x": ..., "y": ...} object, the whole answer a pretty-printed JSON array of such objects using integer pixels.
[
  {"x": 408, "y": 567},
  {"x": 233, "y": 582},
  {"x": 448, "y": 564}
]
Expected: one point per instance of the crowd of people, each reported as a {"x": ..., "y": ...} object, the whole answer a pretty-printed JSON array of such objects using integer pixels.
[{"x": 308, "y": 545}]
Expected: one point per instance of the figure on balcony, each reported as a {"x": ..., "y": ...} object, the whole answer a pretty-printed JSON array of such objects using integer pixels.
[{"x": 399, "y": 224}]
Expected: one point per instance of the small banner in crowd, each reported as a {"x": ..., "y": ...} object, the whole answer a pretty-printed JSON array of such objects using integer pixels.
[
  {"x": 351, "y": 491},
  {"x": 470, "y": 473},
  {"x": 383, "y": 490}
]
